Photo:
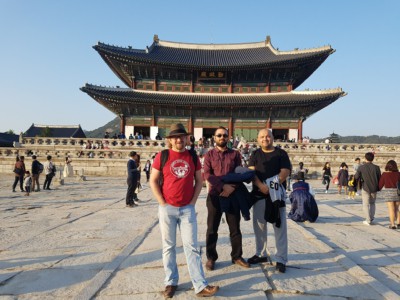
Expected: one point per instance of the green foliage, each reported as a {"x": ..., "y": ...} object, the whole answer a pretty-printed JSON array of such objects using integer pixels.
[
  {"x": 111, "y": 127},
  {"x": 46, "y": 132},
  {"x": 371, "y": 139},
  {"x": 10, "y": 131}
]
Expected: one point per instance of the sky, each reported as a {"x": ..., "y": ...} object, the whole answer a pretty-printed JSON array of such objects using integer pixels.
[{"x": 46, "y": 53}]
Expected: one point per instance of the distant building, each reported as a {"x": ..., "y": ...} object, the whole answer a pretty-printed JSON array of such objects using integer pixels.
[
  {"x": 55, "y": 131},
  {"x": 334, "y": 138},
  {"x": 243, "y": 87},
  {"x": 8, "y": 140}
]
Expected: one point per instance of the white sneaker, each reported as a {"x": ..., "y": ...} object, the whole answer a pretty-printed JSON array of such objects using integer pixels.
[
  {"x": 326, "y": 192},
  {"x": 365, "y": 222}
]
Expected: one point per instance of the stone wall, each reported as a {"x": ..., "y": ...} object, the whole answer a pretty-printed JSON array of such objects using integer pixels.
[{"x": 111, "y": 160}]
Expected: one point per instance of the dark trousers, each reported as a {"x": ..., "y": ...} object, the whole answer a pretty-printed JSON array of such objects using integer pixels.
[
  {"x": 147, "y": 175},
  {"x": 20, "y": 179},
  {"x": 130, "y": 193},
  {"x": 46, "y": 184},
  {"x": 328, "y": 181},
  {"x": 213, "y": 221}
]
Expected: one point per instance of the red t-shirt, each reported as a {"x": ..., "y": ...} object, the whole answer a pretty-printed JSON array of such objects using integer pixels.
[{"x": 178, "y": 172}]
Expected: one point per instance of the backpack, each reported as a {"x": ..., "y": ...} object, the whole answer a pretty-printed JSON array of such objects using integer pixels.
[
  {"x": 164, "y": 159},
  {"x": 40, "y": 167}
]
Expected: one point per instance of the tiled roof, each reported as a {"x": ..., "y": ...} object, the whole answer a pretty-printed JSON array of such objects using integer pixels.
[
  {"x": 60, "y": 131},
  {"x": 7, "y": 140},
  {"x": 126, "y": 95},
  {"x": 212, "y": 55}
]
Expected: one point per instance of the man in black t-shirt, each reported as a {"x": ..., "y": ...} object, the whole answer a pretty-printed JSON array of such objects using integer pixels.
[{"x": 268, "y": 162}]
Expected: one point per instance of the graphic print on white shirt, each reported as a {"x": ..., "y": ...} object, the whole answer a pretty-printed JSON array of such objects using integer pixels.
[
  {"x": 180, "y": 168},
  {"x": 276, "y": 190}
]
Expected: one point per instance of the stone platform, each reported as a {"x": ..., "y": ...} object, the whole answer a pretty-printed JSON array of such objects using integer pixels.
[{"x": 79, "y": 241}]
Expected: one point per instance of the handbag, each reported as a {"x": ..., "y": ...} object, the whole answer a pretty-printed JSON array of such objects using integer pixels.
[
  {"x": 324, "y": 181},
  {"x": 398, "y": 188},
  {"x": 335, "y": 180},
  {"x": 17, "y": 171}
]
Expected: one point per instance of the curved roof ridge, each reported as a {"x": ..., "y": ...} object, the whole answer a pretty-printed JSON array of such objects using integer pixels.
[
  {"x": 236, "y": 46},
  {"x": 56, "y": 126},
  {"x": 230, "y": 46},
  {"x": 304, "y": 92}
]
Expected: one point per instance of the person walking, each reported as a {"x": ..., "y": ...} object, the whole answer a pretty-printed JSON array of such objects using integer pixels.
[
  {"x": 147, "y": 169},
  {"x": 174, "y": 171},
  {"x": 132, "y": 180},
  {"x": 27, "y": 183},
  {"x": 369, "y": 174},
  {"x": 343, "y": 177},
  {"x": 272, "y": 166},
  {"x": 357, "y": 183},
  {"x": 388, "y": 185},
  {"x": 326, "y": 176},
  {"x": 19, "y": 172},
  {"x": 50, "y": 171},
  {"x": 37, "y": 168},
  {"x": 68, "y": 169},
  {"x": 218, "y": 162}
]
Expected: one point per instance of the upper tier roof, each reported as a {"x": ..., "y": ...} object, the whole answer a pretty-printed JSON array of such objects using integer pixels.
[
  {"x": 257, "y": 54},
  {"x": 294, "y": 104}
]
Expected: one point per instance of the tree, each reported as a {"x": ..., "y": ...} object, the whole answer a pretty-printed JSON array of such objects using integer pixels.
[
  {"x": 10, "y": 131},
  {"x": 46, "y": 132}
]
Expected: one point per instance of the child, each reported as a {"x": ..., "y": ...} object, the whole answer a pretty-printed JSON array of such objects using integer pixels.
[
  {"x": 304, "y": 207},
  {"x": 352, "y": 187},
  {"x": 27, "y": 183}
]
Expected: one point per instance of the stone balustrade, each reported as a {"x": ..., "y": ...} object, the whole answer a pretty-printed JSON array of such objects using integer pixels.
[{"x": 109, "y": 156}]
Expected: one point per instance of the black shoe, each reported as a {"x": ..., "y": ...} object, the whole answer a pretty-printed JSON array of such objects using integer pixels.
[
  {"x": 281, "y": 267},
  {"x": 14, "y": 191},
  {"x": 257, "y": 259},
  {"x": 49, "y": 189},
  {"x": 169, "y": 291},
  {"x": 210, "y": 265}
]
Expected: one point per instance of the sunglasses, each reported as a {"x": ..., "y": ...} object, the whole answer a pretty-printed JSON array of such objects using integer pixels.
[{"x": 221, "y": 135}]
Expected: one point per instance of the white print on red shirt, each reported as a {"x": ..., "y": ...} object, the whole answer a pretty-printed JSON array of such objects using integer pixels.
[{"x": 180, "y": 168}]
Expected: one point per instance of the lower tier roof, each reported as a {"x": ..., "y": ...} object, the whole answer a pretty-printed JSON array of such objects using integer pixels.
[{"x": 294, "y": 104}]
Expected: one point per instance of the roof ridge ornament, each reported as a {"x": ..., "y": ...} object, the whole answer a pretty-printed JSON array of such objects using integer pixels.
[
  {"x": 268, "y": 39},
  {"x": 156, "y": 39}
]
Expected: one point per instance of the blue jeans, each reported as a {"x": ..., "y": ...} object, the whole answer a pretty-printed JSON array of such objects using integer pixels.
[{"x": 184, "y": 218}]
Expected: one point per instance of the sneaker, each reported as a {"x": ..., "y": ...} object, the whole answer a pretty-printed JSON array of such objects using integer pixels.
[
  {"x": 365, "y": 222},
  {"x": 14, "y": 191},
  {"x": 398, "y": 226},
  {"x": 169, "y": 291},
  {"x": 392, "y": 227},
  {"x": 326, "y": 192},
  {"x": 257, "y": 259},
  {"x": 281, "y": 267},
  {"x": 208, "y": 291}
]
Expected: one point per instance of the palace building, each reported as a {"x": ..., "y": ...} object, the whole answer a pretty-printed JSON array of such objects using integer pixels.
[{"x": 243, "y": 87}]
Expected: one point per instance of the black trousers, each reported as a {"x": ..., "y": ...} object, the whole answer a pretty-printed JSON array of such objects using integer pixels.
[
  {"x": 46, "y": 184},
  {"x": 21, "y": 180},
  {"x": 130, "y": 193},
  {"x": 213, "y": 221}
]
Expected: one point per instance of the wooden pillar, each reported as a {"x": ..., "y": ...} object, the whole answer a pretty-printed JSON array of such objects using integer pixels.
[
  {"x": 153, "y": 117},
  {"x": 268, "y": 124},
  {"x": 267, "y": 89},
  {"x": 290, "y": 87},
  {"x": 134, "y": 82},
  {"x": 122, "y": 123},
  {"x": 300, "y": 130},
  {"x": 155, "y": 88},
  {"x": 191, "y": 83},
  {"x": 230, "y": 127},
  {"x": 191, "y": 125}
]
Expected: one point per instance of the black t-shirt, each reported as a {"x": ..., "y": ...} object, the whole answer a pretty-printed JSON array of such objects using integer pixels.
[{"x": 268, "y": 164}]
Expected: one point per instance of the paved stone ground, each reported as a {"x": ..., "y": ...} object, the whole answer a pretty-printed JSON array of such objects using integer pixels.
[{"x": 79, "y": 241}]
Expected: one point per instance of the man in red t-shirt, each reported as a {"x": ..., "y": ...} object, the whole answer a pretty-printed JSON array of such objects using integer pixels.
[{"x": 177, "y": 198}]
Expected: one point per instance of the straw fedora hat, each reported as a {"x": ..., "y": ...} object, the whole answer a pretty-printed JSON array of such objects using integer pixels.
[{"x": 176, "y": 130}]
